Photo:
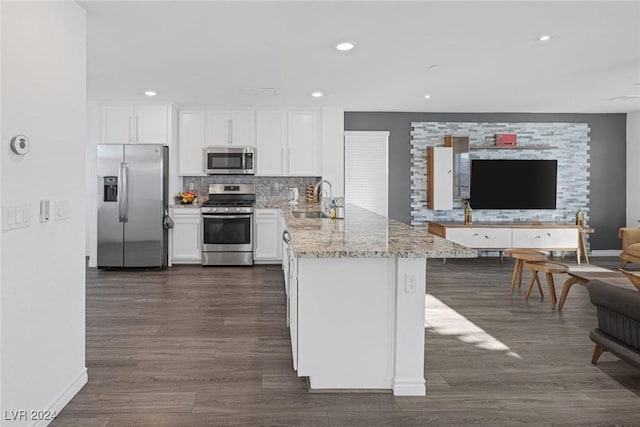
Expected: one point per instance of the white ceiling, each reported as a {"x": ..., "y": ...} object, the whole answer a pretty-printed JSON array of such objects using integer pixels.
[{"x": 204, "y": 53}]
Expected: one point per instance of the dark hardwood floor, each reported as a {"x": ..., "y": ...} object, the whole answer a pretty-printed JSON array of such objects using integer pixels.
[{"x": 195, "y": 346}]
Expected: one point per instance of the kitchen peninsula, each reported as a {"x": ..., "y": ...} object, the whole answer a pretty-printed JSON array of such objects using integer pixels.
[{"x": 356, "y": 298}]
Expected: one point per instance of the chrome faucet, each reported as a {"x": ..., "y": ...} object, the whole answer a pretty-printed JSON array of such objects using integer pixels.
[{"x": 330, "y": 190}]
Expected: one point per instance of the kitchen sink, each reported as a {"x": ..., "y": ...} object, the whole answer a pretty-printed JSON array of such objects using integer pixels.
[{"x": 303, "y": 214}]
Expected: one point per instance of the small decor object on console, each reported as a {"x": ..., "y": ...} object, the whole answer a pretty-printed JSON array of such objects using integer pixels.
[
  {"x": 506, "y": 139},
  {"x": 579, "y": 218},
  {"x": 186, "y": 197},
  {"x": 467, "y": 214}
]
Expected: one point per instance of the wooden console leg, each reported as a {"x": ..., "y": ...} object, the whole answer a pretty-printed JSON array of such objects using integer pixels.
[
  {"x": 597, "y": 352},
  {"x": 552, "y": 290}
]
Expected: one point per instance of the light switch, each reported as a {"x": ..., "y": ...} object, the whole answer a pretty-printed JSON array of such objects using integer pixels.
[
  {"x": 17, "y": 216},
  {"x": 61, "y": 210}
]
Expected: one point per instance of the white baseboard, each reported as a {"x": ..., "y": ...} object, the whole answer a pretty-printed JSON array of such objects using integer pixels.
[
  {"x": 65, "y": 397},
  {"x": 273, "y": 262},
  {"x": 409, "y": 387},
  {"x": 605, "y": 252}
]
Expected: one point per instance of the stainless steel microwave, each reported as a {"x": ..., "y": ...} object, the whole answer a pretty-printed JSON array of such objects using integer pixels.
[{"x": 225, "y": 160}]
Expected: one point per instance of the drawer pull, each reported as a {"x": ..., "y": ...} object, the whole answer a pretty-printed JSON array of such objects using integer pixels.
[
  {"x": 486, "y": 237},
  {"x": 549, "y": 234},
  {"x": 474, "y": 234},
  {"x": 538, "y": 237}
]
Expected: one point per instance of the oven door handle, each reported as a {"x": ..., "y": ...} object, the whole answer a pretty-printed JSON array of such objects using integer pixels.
[{"x": 226, "y": 216}]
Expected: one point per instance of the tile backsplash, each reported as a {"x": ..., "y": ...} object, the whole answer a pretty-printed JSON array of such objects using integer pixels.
[{"x": 266, "y": 186}]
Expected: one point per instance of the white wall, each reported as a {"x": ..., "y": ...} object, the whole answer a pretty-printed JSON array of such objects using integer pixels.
[
  {"x": 633, "y": 170},
  {"x": 42, "y": 293}
]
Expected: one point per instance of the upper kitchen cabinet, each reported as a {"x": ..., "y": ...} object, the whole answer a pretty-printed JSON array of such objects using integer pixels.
[
  {"x": 304, "y": 150},
  {"x": 271, "y": 141},
  {"x": 191, "y": 142},
  {"x": 148, "y": 124},
  {"x": 288, "y": 143},
  {"x": 231, "y": 128}
]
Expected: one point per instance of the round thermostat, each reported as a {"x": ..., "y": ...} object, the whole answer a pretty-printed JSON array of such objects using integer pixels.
[{"x": 20, "y": 144}]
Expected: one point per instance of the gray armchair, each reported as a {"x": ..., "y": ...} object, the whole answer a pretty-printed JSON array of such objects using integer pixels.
[{"x": 618, "y": 328}]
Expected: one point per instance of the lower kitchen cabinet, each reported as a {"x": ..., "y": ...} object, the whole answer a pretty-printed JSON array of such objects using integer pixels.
[
  {"x": 186, "y": 236},
  {"x": 268, "y": 236}
]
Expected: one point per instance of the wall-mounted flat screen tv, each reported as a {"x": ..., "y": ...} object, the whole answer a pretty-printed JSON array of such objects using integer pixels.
[{"x": 513, "y": 184}]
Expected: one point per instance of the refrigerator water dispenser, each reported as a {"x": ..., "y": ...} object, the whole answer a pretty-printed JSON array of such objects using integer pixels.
[{"x": 110, "y": 188}]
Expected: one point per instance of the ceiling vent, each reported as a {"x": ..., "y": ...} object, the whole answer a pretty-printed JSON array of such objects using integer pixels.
[{"x": 258, "y": 91}]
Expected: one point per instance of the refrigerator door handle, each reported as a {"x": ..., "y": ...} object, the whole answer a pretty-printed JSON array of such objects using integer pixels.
[
  {"x": 125, "y": 188},
  {"x": 121, "y": 214}
]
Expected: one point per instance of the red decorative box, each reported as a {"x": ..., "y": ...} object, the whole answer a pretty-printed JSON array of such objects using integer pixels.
[{"x": 506, "y": 139}]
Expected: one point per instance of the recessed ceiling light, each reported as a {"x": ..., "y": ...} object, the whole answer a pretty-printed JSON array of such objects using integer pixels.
[
  {"x": 544, "y": 38},
  {"x": 151, "y": 93},
  {"x": 345, "y": 46},
  {"x": 317, "y": 94},
  {"x": 427, "y": 96}
]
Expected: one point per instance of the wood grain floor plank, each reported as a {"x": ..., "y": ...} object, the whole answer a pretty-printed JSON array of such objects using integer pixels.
[{"x": 193, "y": 346}]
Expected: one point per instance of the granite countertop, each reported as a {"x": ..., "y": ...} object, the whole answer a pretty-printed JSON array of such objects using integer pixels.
[
  {"x": 187, "y": 206},
  {"x": 363, "y": 234}
]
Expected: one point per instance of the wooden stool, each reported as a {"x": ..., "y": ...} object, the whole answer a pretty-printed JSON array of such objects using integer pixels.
[
  {"x": 547, "y": 267},
  {"x": 522, "y": 255}
]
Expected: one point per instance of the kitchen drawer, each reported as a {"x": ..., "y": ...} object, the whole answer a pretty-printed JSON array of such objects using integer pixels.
[
  {"x": 552, "y": 238},
  {"x": 482, "y": 238}
]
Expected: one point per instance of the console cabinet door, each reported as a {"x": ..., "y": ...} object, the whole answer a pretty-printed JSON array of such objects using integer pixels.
[
  {"x": 482, "y": 238},
  {"x": 545, "y": 238}
]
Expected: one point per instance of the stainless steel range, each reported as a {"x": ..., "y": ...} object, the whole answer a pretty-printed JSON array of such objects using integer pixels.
[{"x": 227, "y": 224}]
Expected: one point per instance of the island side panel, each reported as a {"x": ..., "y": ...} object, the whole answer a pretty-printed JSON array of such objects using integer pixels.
[
  {"x": 346, "y": 322},
  {"x": 410, "y": 288}
]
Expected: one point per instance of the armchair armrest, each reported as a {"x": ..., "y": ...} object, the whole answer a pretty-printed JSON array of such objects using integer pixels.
[{"x": 629, "y": 235}]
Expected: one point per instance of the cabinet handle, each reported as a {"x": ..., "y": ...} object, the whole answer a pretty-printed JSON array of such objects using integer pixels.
[
  {"x": 137, "y": 128},
  {"x": 486, "y": 237},
  {"x": 474, "y": 234},
  {"x": 130, "y": 128},
  {"x": 549, "y": 234},
  {"x": 289, "y": 159},
  {"x": 282, "y": 157},
  {"x": 229, "y": 131},
  {"x": 538, "y": 237}
]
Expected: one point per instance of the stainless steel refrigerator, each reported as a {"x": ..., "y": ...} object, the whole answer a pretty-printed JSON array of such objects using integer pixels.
[{"x": 132, "y": 204}]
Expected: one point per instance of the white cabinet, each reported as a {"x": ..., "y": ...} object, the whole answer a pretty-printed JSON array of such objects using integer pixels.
[
  {"x": 288, "y": 143},
  {"x": 148, "y": 124},
  {"x": 303, "y": 152},
  {"x": 191, "y": 143},
  {"x": 268, "y": 236},
  {"x": 271, "y": 134},
  {"x": 186, "y": 236},
  {"x": 547, "y": 238},
  {"x": 440, "y": 178},
  {"x": 231, "y": 128},
  {"x": 292, "y": 304},
  {"x": 485, "y": 238}
]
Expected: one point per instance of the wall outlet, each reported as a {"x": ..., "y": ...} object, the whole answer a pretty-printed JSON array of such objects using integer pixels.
[
  {"x": 276, "y": 186},
  {"x": 410, "y": 283},
  {"x": 192, "y": 186}
]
